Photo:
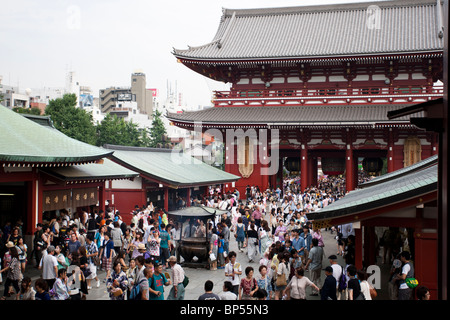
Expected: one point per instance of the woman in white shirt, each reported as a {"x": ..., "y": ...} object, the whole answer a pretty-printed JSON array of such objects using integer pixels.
[
  {"x": 283, "y": 270},
  {"x": 365, "y": 286}
]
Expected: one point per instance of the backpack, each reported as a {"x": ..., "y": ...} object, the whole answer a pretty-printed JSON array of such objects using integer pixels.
[
  {"x": 147, "y": 255},
  {"x": 135, "y": 293},
  {"x": 342, "y": 281}
]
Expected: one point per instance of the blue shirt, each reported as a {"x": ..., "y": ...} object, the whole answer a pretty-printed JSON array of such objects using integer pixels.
[
  {"x": 298, "y": 244},
  {"x": 222, "y": 243},
  {"x": 307, "y": 240}
]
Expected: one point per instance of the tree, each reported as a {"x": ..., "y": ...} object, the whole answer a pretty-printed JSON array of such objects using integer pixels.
[
  {"x": 32, "y": 110},
  {"x": 117, "y": 131},
  {"x": 158, "y": 131},
  {"x": 70, "y": 120}
]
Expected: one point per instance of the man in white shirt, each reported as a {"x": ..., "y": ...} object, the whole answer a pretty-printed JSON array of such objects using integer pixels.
[
  {"x": 177, "y": 291},
  {"x": 227, "y": 293},
  {"x": 337, "y": 272},
  {"x": 233, "y": 271},
  {"x": 50, "y": 266}
]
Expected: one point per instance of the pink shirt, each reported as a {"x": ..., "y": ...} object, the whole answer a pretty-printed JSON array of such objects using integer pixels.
[{"x": 318, "y": 236}]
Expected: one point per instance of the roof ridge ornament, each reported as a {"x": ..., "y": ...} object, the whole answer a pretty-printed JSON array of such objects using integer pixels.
[
  {"x": 439, "y": 17},
  {"x": 222, "y": 39}
]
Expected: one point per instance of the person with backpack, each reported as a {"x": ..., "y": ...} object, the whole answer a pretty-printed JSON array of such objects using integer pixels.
[
  {"x": 140, "y": 289},
  {"x": 404, "y": 291}
]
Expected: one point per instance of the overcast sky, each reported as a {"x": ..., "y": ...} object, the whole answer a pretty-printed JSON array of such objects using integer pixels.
[{"x": 104, "y": 41}]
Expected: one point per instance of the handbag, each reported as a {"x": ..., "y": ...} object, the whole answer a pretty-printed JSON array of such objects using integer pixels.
[
  {"x": 185, "y": 281},
  {"x": 96, "y": 260},
  {"x": 373, "y": 292},
  {"x": 281, "y": 280},
  {"x": 117, "y": 292}
]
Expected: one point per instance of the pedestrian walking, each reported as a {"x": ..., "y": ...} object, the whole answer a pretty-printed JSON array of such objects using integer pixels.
[
  {"x": 177, "y": 276},
  {"x": 296, "y": 289},
  {"x": 314, "y": 262},
  {"x": 14, "y": 274},
  {"x": 233, "y": 271},
  {"x": 50, "y": 266}
]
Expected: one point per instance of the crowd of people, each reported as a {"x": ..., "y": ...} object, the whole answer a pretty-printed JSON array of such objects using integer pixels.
[
  {"x": 70, "y": 250},
  {"x": 271, "y": 227}
]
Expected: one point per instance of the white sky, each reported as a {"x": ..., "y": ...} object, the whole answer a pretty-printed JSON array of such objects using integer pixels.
[{"x": 104, "y": 41}]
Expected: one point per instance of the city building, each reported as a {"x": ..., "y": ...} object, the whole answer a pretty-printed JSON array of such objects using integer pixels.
[{"x": 110, "y": 98}]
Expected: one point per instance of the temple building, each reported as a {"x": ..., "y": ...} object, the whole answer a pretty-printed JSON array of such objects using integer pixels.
[
  {"x": 43, "y": 171},
  {"x": 318, "y": 83}
]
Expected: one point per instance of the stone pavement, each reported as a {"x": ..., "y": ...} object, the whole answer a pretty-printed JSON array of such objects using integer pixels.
[{"x": 198, "y": 276}]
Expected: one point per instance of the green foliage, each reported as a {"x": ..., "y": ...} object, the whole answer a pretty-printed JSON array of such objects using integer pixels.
[
  {"x": 33, "y": 110},
  {"x": 158, "y": 131},
  {"x": 117, "y": 131},
  {"x": 70, "y": 120},
  {"x": 78, "y": 124}
]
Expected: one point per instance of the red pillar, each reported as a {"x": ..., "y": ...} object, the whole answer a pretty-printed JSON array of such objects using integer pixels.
[
  {"x": 434, "y": 144},
  {"x": 304, "y": 168},
  {"x": 34, "y": 199},
  {"x": 188, "y": 197},
  {"x": 312, "y": 169},
  {"x": 349, "y": 168},
  {"x": 280, "y": 174},
  {"x": 102, "y": 197},
  {"x": 390, "y": 154},
  {"x": 264, "y": 169},
  {"x": 358, "y": 248},
  {"x": 166, "y": 198}
]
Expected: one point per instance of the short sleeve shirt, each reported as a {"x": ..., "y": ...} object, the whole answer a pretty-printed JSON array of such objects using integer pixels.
[
  {"x": 49, "y": 263},
  {"x": 228, "y": 269}
]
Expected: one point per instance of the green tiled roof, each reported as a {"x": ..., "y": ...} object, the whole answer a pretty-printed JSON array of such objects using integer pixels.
[
  {"x": 169, "y": 166},
  {"x": 25, "y": 141},
  {"x": 401, "y": 172},
  {"x": 92, "y": 171},
  {"x": 401, "y": 188}
]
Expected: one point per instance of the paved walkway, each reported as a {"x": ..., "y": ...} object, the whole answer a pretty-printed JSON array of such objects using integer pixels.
[{"x": 198, "y": 276}]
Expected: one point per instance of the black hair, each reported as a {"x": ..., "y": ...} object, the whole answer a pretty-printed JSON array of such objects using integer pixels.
[
  {"x": 61, "y": 271},
  {"x": 351, "y": 269},
  {"x": 209, "y": 285},
  {"x": 228, "y": 285},
  {"x": 421, "y": 292},
  {"x": 406, "y": 255}
]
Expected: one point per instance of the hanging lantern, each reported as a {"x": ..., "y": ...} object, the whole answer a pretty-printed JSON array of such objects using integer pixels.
[
  {"x": 333, "y": 166},
  {"x": 292, "y": 165},
  {"x": 372, "y": 165}
]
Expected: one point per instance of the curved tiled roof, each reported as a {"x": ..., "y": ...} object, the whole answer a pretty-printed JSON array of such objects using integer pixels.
[
  {"x": 393, "y": 27},
  {"x": 169, "y": 166},
  {"x": 399, "y": 189},
  {"x": 298, "y": 115},
  {"x": 25, "y": 141}
]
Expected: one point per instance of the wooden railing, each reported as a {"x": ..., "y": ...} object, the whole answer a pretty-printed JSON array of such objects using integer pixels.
[{"x": 285, "y": 95}]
